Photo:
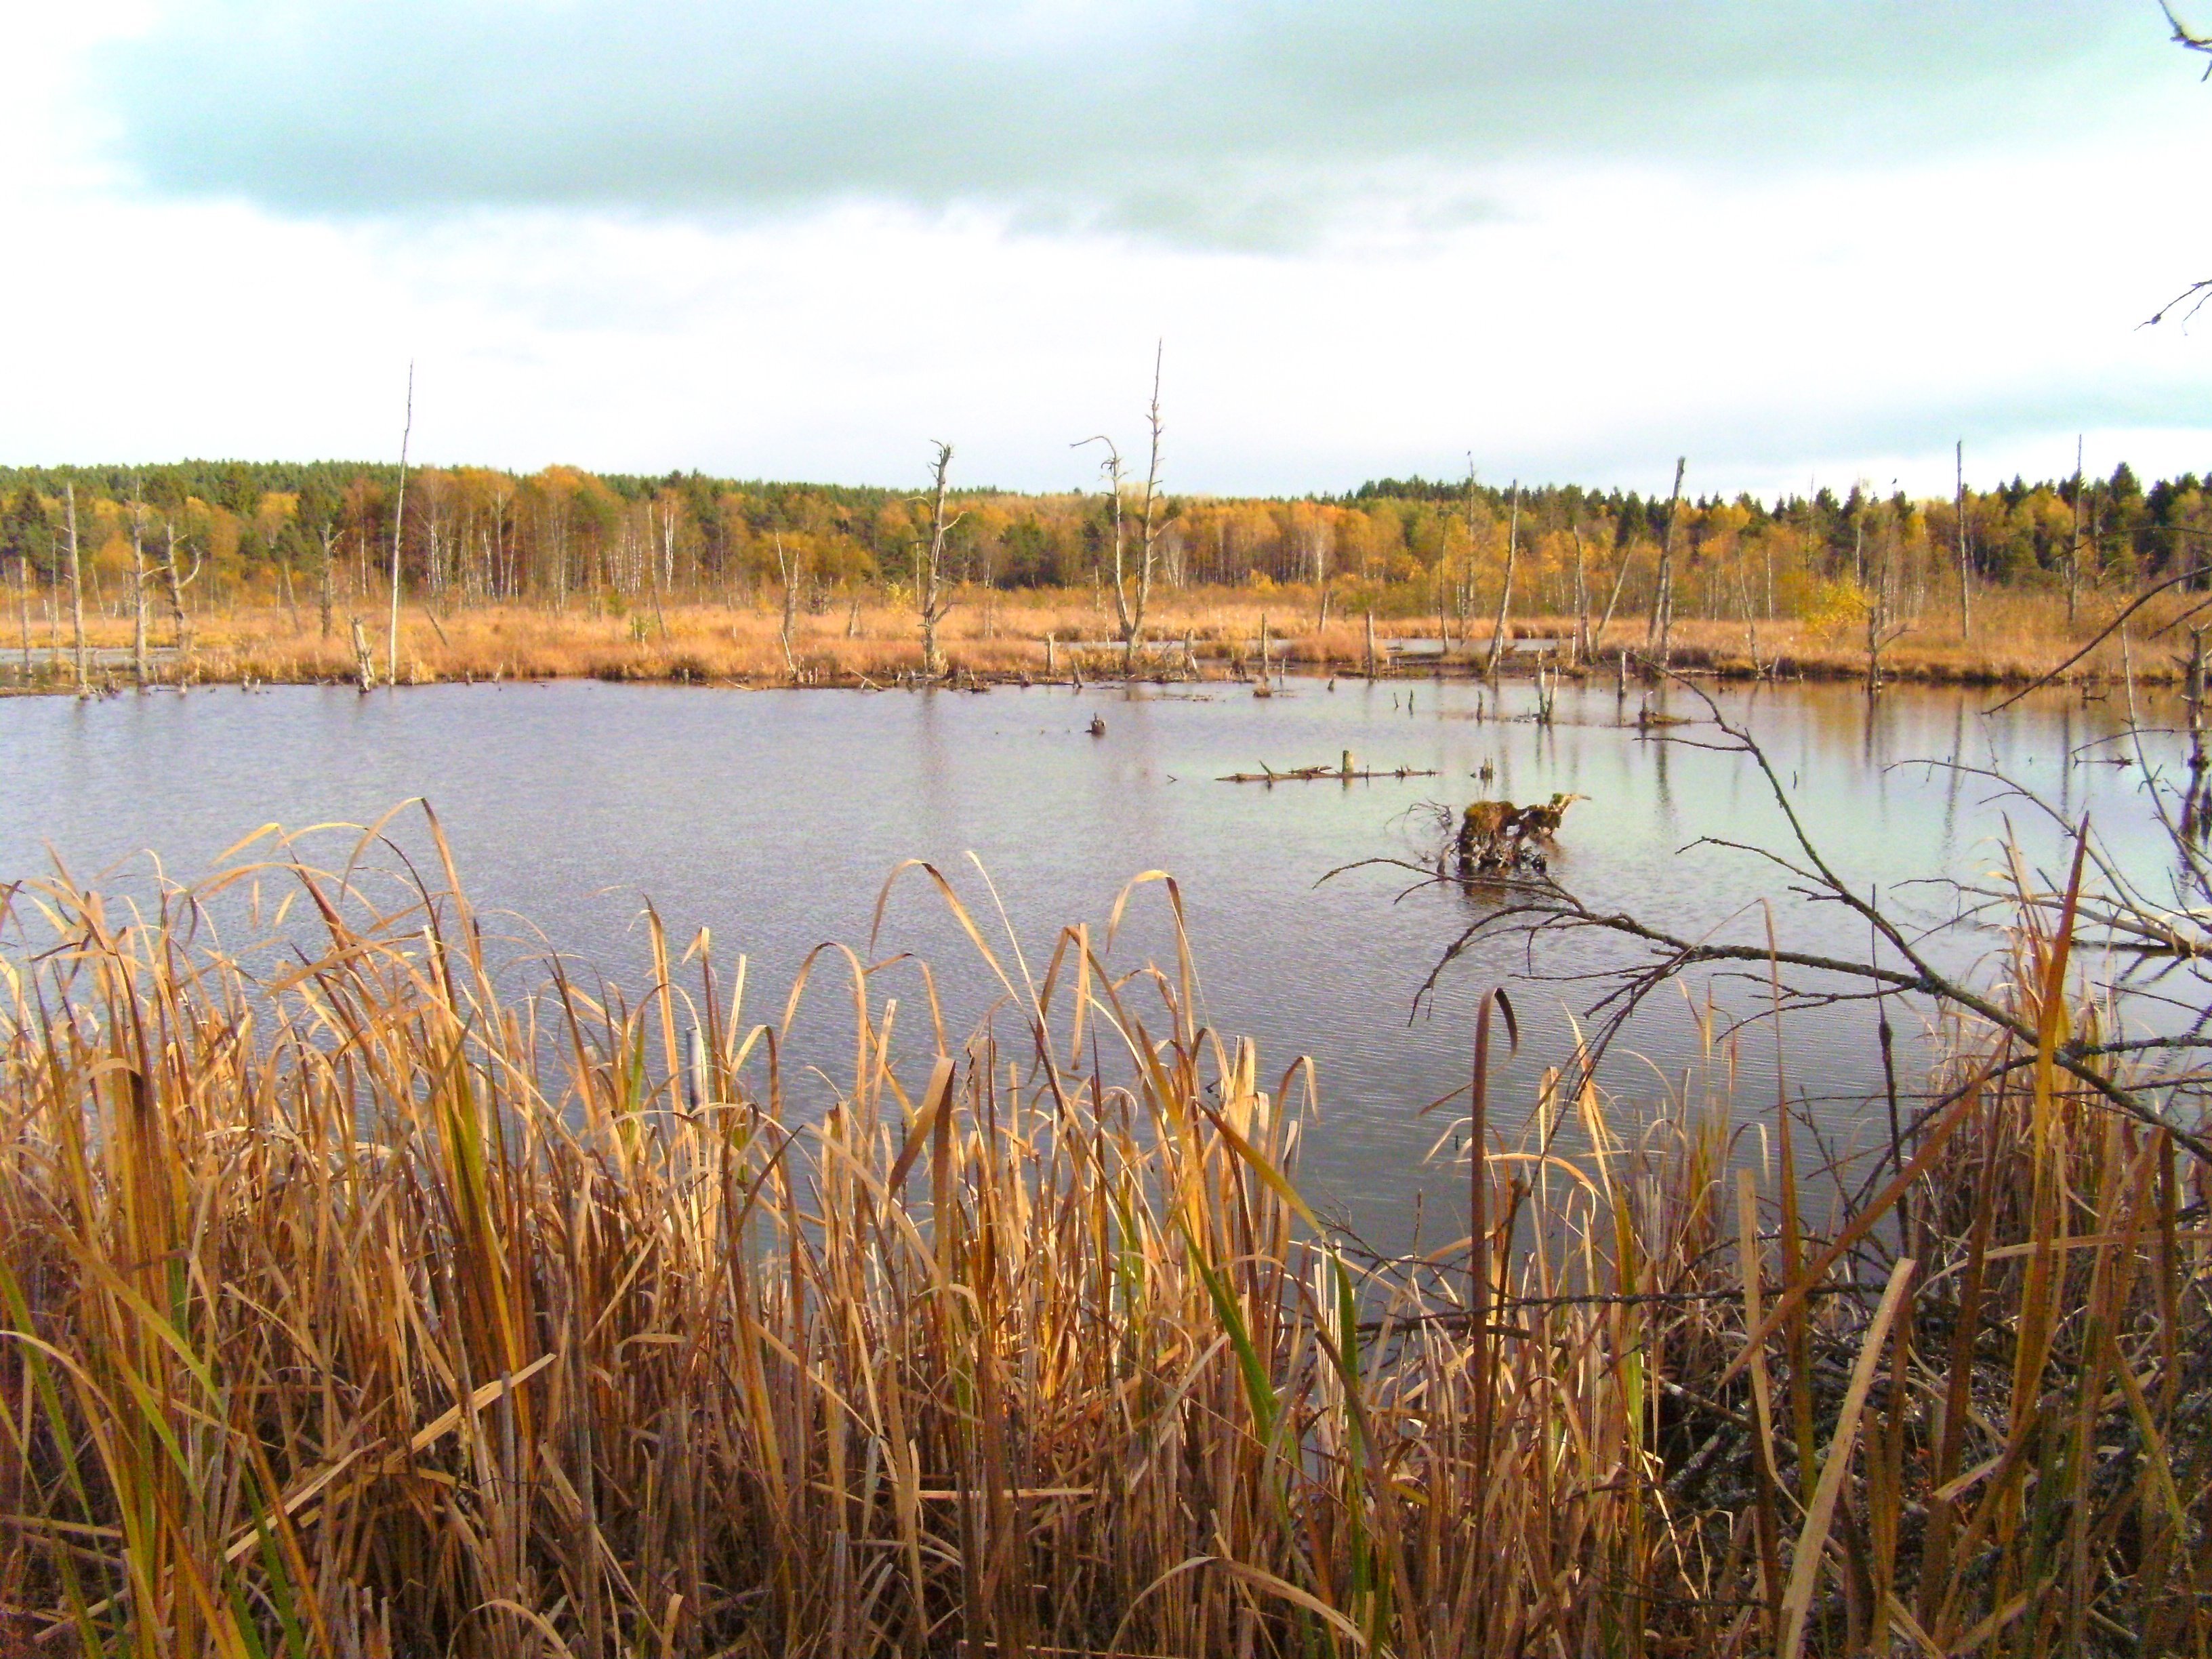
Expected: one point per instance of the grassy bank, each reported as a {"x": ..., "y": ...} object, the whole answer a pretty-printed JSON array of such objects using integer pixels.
[
  {"x": 354, "y": 1307},
  {"x": 2018, "y": 636}
]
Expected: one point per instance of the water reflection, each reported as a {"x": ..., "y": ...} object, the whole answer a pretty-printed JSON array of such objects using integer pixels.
[{"x": 773, "y": 817}]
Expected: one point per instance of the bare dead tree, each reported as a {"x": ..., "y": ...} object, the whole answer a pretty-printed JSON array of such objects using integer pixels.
[
  {"x": 932, "y": 587},
  {"x": 1659, "y": 634},
  {"x": 327, "y": 533},
  {"x": 180, "y": 627},
  {"x": 137, "y": 585},
  {"x": 1505, "y": 594},
  {"x": 398, "y": 528},
  {"x": 659, "y": 551},
  {"x": 1882, "y": 630},
  {"x": 2073, "y": 549},
  {"x": 23, "y": 603},
  {"x": 1581, "y": 639},
  {"x": 1966, "y": 582},
  {"x": 1132, "y": 590},
  {"x": 76, "y": 588},
  {"x": 787, "y": 567}
]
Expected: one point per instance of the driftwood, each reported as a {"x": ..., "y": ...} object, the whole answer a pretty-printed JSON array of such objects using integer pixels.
[
  {"x": 1497, "y": 838},
  {"x": 1344, "y": 772}
]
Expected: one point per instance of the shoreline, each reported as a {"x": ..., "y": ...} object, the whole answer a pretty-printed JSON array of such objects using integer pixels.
[
  {"x": 1222, "y": 642},
  {"x": 204, "y": 674}
]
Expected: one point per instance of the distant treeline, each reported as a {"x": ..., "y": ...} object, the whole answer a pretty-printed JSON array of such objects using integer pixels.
[{"x": 239, "y": 531}]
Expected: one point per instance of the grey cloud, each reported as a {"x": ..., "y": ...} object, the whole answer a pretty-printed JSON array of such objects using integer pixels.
[{"x": 1240, "y": 124}]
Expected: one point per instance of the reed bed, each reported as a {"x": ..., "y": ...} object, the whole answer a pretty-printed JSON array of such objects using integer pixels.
[
  {"x": 354, "y": 1305},
  {"x": 2019, "y": 636}
]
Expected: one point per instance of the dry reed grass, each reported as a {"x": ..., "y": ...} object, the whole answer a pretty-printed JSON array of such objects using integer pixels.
[
  {"x": 2018, "y": 635},
  {"x": 353, "y": 1308}
]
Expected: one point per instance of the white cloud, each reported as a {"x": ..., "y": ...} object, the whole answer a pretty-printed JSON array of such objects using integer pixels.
[{"x": 1586, "y": 314}]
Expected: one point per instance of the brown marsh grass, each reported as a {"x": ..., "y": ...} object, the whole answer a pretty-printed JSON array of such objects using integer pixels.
[
  {"x": 354, "y": 1305},
  {"x": 2018, "y": 635}
]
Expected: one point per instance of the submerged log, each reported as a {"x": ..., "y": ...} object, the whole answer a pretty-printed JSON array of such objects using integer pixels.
[{"x": 1342, "y": 773}]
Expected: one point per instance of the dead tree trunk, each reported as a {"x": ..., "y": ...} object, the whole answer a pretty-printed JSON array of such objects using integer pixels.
[
  {"x": 932, "y": 593},
  {"x": 1467, "y": 522},
  {"x": 1581, "y": 641},
  {"x": 1661, "y": 632},
  {"x": 1132, "y": 590},
  {"x": 2073, "y": 552},
  {"x": 1966, "y": 586},
  {"x": 2197, "y": 761},
  {"x": 180, "y": 628},
  {"x": 364, "y": 657},
  {"x": 23, "y": 606},
  {"x": 398, "y": 528},
  {"x": 667, "y": 558},
  {"x": 1612, "y": 601},
  {"x": 137, "y": 593},
  {"x": 77, "y": 589},
  {"x": 1443, "y": 626},
  {"x": 786, "y": 566},
  {"x": 1505, "y": 594},
  {"x": 328, "y": 532}
]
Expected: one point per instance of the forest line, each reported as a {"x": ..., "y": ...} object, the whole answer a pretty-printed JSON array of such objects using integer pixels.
[{"x": 198, "y": 553}]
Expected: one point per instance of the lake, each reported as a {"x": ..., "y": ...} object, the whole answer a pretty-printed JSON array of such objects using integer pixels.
[{"x": 774, "y": 818}]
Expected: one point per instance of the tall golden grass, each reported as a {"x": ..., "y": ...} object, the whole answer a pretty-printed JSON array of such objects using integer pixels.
[
  {"x": 353, "y": 1306},
  {"x": 2018, "y": 636}
]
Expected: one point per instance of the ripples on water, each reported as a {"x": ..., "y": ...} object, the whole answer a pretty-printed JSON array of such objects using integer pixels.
[{"x": 774, "y": 818}]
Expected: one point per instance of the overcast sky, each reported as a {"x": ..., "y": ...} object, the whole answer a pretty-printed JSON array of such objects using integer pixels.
[{"x": 801, "y": 238}]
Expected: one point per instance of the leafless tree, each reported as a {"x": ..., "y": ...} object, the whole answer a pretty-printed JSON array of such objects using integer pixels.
[
  {"x": 398, "y": 527},
  {"x": 1965, "y": 581},
  {"x": 76, "y": 587},
  {"x": 1505, "y": 594},
  {"x": 24, "y": 604},
  {"x": 1581, "y": 639},
  {"x": 932, "y": 579},
  {"x": 180, "y": 623},
  {"x": 138, "y": 586},
  {"x": 1883, "y": 631},
  {"x": 1132, "y": 590},
  {"x": 787, "y": 565},
  {"x": 1659, "y": 634},
  {"x": 327, "y": 533}
]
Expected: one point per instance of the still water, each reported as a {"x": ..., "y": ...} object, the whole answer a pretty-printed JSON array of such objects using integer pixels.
[{"x": 774, "y": 817}]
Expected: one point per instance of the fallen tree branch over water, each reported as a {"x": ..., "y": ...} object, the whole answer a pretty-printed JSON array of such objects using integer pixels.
[{"x": 1534, "y": 906}]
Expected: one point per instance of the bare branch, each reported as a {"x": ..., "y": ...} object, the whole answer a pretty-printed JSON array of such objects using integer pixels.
[{"x": 2101, "y": 635}]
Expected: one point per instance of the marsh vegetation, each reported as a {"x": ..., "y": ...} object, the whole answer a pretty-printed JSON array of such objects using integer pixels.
[{"x": 363, "y": 1300}]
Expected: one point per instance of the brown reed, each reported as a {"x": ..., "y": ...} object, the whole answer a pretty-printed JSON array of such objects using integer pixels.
[
  {"x": 2019, "y": 637},
  {"x": 354, "y": 1307}
]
